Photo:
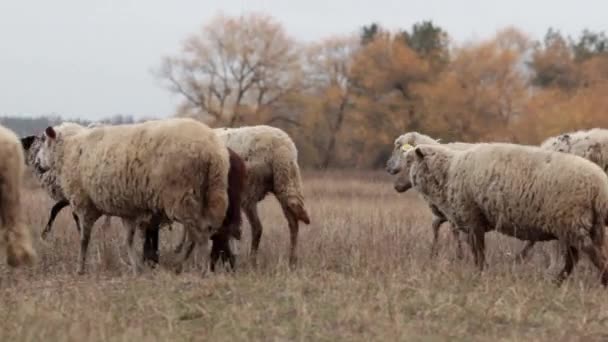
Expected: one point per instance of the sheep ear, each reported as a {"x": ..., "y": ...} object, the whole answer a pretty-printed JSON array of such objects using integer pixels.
[
  {"x": 419, "y": 154},
  {"x": 28, "y": 141},
  {"x": 50, "y": 132}
]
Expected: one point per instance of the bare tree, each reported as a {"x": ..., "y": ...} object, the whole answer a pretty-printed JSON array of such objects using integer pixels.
[
  {"x": 235, "y": 66},
  {"x": 330, "y": 63}
]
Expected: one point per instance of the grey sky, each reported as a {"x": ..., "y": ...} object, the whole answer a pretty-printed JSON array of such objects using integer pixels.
[{"x": 92, "y": 58}]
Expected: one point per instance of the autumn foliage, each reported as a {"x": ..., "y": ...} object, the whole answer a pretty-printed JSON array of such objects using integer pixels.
[{"x": 345, "y": 98}]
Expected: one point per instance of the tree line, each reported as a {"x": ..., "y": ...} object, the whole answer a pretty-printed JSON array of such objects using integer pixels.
[{"x": 345, "y": 98}]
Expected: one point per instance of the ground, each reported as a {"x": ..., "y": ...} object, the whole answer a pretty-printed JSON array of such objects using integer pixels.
[{"x": 364, "y": 274}]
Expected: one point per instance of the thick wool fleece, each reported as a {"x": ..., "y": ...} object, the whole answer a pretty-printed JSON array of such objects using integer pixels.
[
  {"x": 19, "y": 250},
  {"x": 521, "y": 191},
  {"x": 175, "y": 168}
]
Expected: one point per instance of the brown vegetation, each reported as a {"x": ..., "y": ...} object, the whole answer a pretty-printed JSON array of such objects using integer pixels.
[{"x": 364, "y": 274}]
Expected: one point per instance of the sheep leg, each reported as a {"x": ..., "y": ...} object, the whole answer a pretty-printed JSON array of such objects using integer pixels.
[
  {"x": 54, "y": 211},
  {"x": 523, "y": 254},
  {"x": 571, "y": 259},
  {"x": 150, "y": 253},
  {"x": 437, "y": 221},
  {"x": 456, "y": 236},
  {"x": 181, "y": 243},
  {"x": 256, "y": 230},
  {"x": 477, "y": 243},
  {"x": 199, "y": 235},
  {"x": 598, "y": 258},
  {"x": 86, "y": 226},
  {"x": 292, "y": 221},
  {"x": 77, "y": 221},
  {"x": 131, "y": 228}
]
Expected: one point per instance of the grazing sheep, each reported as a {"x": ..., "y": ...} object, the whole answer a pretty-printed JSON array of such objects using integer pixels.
[
  {"x": 19, "y": 250},
  {"x": 271, "y": 159},
  {"x": 521, "y": 191},
  {"x": 396, "y": 162},
  {"x": 166, "y": 170}
]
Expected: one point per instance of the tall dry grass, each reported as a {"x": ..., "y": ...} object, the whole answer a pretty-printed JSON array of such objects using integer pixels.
[{"x": 364, "y": 274}]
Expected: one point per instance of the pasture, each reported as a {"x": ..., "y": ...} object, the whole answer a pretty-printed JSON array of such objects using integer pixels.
[{"x": 364, "y": 274}]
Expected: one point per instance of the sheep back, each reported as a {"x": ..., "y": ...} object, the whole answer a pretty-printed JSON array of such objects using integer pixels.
[
  {"x": 521, "y": 191},
  {"x": 132, "y": 170}
]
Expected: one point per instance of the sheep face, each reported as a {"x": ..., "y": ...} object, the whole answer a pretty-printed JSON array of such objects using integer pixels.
[
  {"x": 31, "y": 145},
  {"x": 44, "y": 161},
  {"x": 427, "y": 166},
  {"x": 402, "y": 144},
  {"x": 560, "y": 143},
  {"x": 403, "y": 181}
]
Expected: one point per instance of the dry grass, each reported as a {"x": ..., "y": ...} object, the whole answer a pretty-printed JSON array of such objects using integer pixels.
[{"x": 364, "y": 274}]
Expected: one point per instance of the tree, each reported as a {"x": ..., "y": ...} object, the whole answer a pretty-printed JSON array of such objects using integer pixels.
[
  {"x": 233, "y": 68},
  {"x": 553, "y": 63},
  {"x": 480, "y": 93},
  {"x": 369, "y": 32},
  {"x": 330, "y": 63},
  {"x": 589, "y": 44},
  {"x": 430, "y": 42}
]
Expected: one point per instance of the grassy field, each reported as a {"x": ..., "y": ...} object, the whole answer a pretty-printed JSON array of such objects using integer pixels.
[{"x": 364, "y": 274}]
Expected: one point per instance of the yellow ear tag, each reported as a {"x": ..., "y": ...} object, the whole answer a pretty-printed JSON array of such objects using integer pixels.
[{"x": 406, "y": 147}]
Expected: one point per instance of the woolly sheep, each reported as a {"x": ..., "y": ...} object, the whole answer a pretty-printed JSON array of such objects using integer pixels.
[
  {"x": 19, "y": 250},
  {"x": 173, "y": 169},
  {"x": 589, "y": 144},
  {"x": 396, "y": 162},
  {"x": 521, "y": 191}
]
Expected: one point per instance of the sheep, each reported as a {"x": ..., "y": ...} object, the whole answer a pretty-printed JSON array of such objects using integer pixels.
[
  {"x": 589, "y": 144},
  {"x": 396, "y": 162},
  {"x": 271, "y": 160},
  {"x": 237, "y": 175},
  {"x": 166, "y": 170},
  {"x": 521, "y": 191},
  {"x": 19, "y": 249}
]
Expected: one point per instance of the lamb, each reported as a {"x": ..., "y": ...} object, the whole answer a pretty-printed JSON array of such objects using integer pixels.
[
  {"x": 163, "y": 170},
  {"x": 396, "y": 162},
  {"x": 518, "y": 191},
  {"x": 19, "y": 249}
]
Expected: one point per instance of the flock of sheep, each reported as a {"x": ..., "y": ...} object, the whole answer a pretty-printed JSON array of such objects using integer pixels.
[{"x": 179, "y": 170}]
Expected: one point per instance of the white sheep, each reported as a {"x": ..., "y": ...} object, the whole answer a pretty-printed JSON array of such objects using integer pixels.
[
  {"x": 19, "y": 250},
  {"x": 271, "y": 158},
  {"x": 521, "y": 191},
  {"x": 172, "y": 169},
  {"x": 589, "y": 144},
  {"x": 396, "y": 163}
]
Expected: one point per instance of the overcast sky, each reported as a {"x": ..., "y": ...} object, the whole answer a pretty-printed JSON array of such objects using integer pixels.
[{"x": 92, "y": 58}]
